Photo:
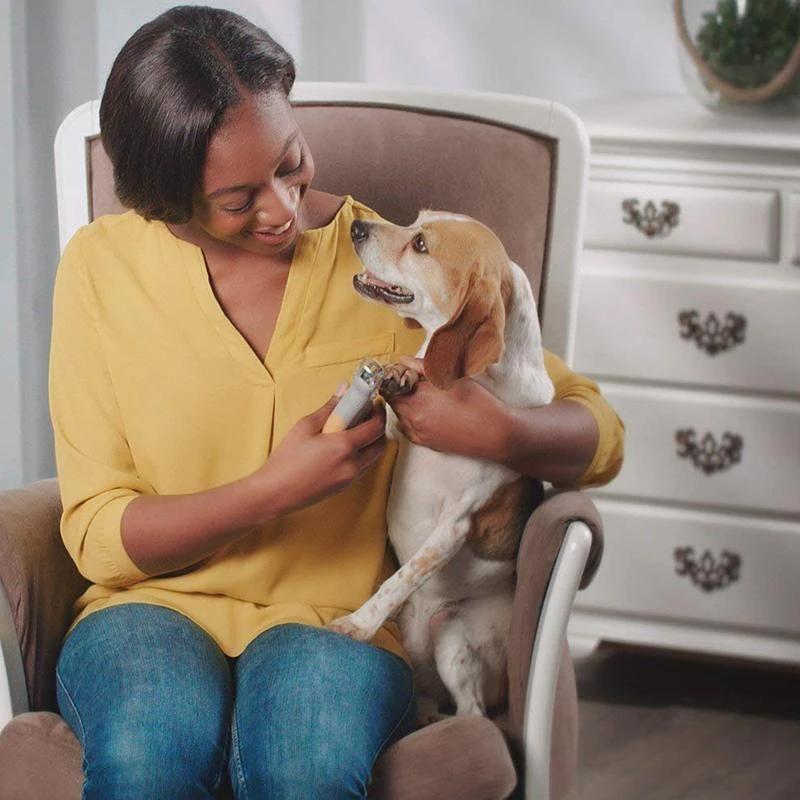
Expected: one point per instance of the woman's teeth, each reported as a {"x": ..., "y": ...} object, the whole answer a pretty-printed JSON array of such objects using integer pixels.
[{"x": 275, "y": 231}]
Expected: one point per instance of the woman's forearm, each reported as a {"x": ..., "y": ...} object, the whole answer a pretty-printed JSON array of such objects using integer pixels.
[
  {"x": 555, "y": 443},
  {"x": 167, "y": 533}
]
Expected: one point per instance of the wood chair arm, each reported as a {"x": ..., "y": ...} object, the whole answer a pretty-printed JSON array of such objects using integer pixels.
[{"x": 559, "y": 552}]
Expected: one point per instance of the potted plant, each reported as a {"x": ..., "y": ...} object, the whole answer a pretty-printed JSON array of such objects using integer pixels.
[{"x": 744, "y": 55}]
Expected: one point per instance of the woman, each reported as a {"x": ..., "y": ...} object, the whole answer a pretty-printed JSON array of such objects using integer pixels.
[{"x": 197, "y": 340}]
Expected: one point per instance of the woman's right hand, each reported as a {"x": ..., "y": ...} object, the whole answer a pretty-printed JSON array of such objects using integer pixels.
[{"x": 309, "y": 465}]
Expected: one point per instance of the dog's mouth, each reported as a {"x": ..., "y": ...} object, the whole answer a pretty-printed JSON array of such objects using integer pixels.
[{"x": 367, "y": 284}]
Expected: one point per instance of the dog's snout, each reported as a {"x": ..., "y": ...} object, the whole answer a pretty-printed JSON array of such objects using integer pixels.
[{"x": 358, "y": 231}]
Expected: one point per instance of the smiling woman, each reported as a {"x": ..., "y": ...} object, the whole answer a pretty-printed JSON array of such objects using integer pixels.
[{"x": 193, "y": 472}]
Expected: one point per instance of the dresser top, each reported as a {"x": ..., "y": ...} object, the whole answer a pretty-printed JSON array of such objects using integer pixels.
[{"x": 679, "y": 119}]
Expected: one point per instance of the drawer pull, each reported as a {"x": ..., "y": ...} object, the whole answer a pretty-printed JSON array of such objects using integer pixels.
[
  {"x": 710, "y": 335},
  {"x": 649, "y": 221},
  {"x": 707, "y": 573},
  {"x": 707, "y": 454}
]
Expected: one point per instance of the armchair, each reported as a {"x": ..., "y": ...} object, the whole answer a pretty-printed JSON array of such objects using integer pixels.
[{"x": 517, "y": 164}]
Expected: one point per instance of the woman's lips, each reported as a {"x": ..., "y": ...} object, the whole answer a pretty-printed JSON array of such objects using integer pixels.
[{"x": 272, "y": 235}]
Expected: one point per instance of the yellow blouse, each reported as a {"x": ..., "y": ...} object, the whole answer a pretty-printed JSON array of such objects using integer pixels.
[{"x": 154, "y": 391}]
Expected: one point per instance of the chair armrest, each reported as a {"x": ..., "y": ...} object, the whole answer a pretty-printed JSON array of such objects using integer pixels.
[
  {"x": 560, "y": 549},
  {"x": 40, "y": 583}
]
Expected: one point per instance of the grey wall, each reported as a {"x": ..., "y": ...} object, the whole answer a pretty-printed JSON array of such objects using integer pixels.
[
  {"x": 53, "y": 69},
  {"x": 56, "y": 54},
  {"x": 10, "y": 413}
]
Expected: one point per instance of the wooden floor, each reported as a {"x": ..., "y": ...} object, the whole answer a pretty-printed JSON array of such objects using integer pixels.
[{"x": 659, "y": 728}]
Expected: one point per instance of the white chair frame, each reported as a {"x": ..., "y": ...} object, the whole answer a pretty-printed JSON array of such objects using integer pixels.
[{"x": 537, "y": 116}]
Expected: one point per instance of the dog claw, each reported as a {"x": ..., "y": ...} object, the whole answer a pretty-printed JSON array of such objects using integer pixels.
[{"x": 398, "y": 379}]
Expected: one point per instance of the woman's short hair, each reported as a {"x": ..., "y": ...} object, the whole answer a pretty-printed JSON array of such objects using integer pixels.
[{"x": 168, "y": 91}]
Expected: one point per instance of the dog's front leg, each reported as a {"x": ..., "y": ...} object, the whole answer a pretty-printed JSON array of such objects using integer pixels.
[
  {"x": 445, "y": 541},
  {"x": 399, "y": 379}
]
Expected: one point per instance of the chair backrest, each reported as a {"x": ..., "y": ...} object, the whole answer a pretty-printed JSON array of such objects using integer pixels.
[{"x": 516, "y": 164}]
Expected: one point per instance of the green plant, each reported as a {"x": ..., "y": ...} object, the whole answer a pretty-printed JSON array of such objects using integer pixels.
[{"x": 748, "y": 51}]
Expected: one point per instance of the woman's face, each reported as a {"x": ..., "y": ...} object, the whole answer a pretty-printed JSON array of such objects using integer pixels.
[{"x": 256, "y": 173}]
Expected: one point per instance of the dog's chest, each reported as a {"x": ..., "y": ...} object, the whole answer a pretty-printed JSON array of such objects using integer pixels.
[{"x": 427, "y": 484}]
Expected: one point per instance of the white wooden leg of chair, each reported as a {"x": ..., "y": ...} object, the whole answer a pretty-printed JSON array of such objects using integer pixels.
[
  {"x": 546, "y": 658},
  {"x": 13, "y": 694}
]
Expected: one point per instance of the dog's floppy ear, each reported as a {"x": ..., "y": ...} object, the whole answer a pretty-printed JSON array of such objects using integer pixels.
[{"x": 473, "y": 338}]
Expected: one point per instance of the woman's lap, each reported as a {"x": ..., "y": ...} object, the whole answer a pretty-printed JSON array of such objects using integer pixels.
[{"x": 151, "y": 697}]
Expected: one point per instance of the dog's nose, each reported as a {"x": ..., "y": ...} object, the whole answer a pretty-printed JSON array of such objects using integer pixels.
[{"x": 358, "y": 231}]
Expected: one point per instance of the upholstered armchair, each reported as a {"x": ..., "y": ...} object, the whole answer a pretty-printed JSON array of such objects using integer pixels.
[{"x": 517, "y": 164}]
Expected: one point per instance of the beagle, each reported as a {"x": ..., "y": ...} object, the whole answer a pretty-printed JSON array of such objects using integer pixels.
[{"x": 454, "y": 522}]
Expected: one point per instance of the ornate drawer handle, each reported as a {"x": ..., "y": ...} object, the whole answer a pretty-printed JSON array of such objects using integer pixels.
[
  {"x": 707, "y": 454},
  {"x": 710, "y": 335},
  {"x": 707, "y": 573},
  {"x": 649, "y": 221}
]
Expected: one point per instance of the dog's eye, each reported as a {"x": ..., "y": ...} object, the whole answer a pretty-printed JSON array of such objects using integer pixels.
[{"x": 418, "y": 243}]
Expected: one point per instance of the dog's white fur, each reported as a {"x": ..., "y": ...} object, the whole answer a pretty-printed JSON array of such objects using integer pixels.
[{"x": 454, "y": 606}]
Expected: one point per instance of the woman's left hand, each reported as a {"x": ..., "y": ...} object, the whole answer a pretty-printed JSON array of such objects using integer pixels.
[{"x": 465, "y": 419}]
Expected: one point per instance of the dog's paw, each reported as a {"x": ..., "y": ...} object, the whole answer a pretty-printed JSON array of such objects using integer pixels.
[
  {"x": 350, "y": 628},
  {"x": 398, "y": 379}
]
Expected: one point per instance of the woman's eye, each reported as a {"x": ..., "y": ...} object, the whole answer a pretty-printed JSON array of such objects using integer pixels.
[
  {"x": 418, "y": 243},
  {"x": 241, "y": 209}
]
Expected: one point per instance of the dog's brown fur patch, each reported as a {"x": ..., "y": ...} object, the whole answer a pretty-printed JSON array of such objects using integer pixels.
[
  {"x": 478, "y": 286},
  {"x": 497, "y": 528}
]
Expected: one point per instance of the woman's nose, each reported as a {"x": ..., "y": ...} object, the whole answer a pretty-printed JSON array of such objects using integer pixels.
[{"x": 279, "y": 206}]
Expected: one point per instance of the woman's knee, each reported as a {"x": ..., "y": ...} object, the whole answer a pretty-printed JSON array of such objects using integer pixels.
[
  {"x": 314, "y": 711},
  {"x": 150, "y": 696}
]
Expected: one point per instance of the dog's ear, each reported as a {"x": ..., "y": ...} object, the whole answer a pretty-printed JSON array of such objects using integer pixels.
[
  {"x": 473, "y": 338},
  {"x": 409, "y": 322}
]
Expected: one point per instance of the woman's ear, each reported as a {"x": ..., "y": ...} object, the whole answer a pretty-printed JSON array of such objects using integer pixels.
[{"x": 473, "y": 338}]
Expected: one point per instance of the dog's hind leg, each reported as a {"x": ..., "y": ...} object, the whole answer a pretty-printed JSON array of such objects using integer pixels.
[{"x": 470, "y": 648}]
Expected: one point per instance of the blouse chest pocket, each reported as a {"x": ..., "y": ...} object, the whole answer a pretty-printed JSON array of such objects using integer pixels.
[
  {"x": 341, "y": 352},
  {"x": 301, "y": 390}
]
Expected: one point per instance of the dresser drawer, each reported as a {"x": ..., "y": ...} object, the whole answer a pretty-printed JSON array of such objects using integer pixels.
[
  {"x": 670, "y": 564},
  {"x": 690, "y": 220},
  {"x": 706, "y": 448},
  {"x": 733, "y": 334}
]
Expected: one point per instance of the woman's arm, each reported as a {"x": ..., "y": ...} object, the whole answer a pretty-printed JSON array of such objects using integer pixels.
[
  {"x": 556, "y": 442},
  {"x": 165, "y": 533},
  {"x": 575, "y": 441}
]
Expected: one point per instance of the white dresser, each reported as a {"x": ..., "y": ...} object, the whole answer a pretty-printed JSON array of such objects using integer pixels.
[{"x": 689, "y": 319}]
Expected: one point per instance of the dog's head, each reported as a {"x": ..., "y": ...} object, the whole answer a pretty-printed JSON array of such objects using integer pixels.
[{"x": 447, "y": 273}]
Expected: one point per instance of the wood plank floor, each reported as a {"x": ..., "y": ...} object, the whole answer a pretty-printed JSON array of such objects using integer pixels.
[{"x": 666, "y": 728}]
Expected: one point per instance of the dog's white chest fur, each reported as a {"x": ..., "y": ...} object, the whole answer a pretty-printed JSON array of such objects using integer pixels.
[{"x": 425, "y": 484}]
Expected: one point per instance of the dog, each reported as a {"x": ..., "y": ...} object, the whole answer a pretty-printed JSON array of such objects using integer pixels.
[{"x": 454, "y": 522}]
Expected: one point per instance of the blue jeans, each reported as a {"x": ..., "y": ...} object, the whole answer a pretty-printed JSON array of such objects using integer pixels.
[{"x": 162, "y": 712}]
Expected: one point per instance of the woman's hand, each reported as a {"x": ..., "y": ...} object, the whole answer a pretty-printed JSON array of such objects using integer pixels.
[
  {"x": 465, "y": 419},
  {"x": 309, "y": 465}
]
